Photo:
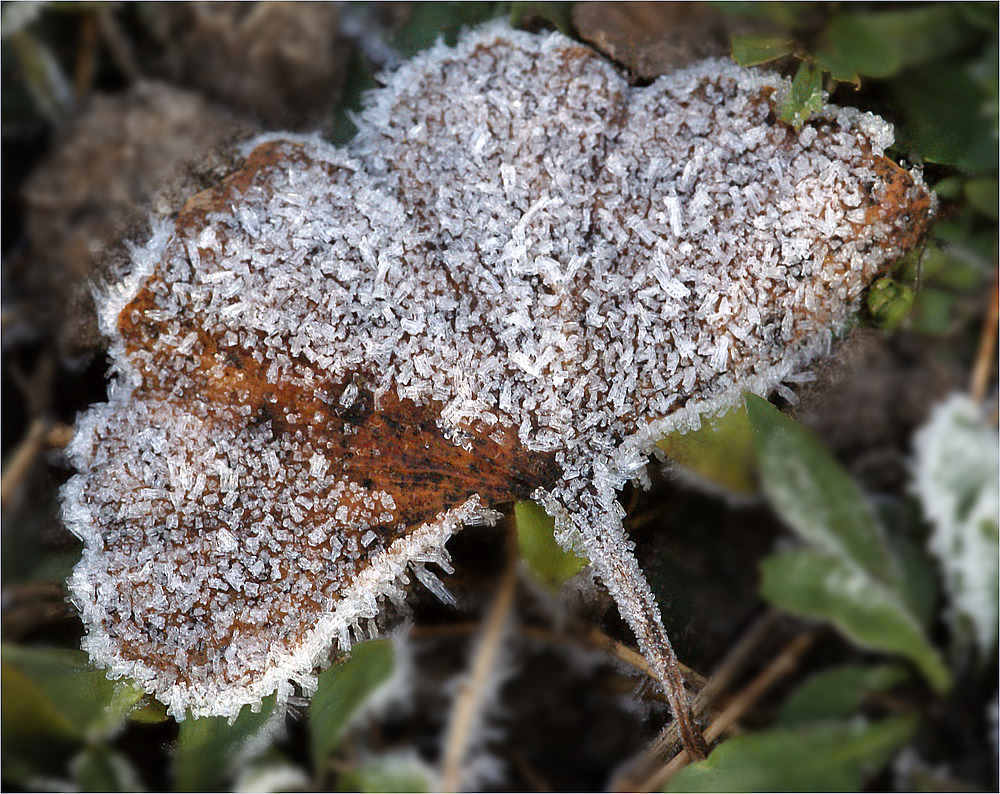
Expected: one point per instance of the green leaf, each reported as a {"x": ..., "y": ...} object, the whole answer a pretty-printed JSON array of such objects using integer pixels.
[
  {"x": 784, "y": 14},
  {"x": 805, "y": 96},
  {"x": 837, "y": 694},
  {"x": 820, "y": 585},
  {"x": 838, "y": 69},
  {"x": 557, "y": 15},
  {"x": 430, "y": 21},
  {"x": 982, "y": 195},
  {"x": 549, "y": 562},
  {"x": 358, "y": 79},
  {"x": 881, "y": 44},
  {"x": 208, "y": 747},
  {"x": 818, "y": 758},
  {"x": 934, "y": 312},
  {"x": 946, "y": 118},
  {"x": 753, "y": 50},
  {"x": 99, "y": 768},
  {"x": 813, "y": 493},
  {"x": 391, "y": 773},
  {"x": 889, "y": 303},
  {"x": 721, "y": 451},
  {"x": 342, "y": 690},
  {"x": 950, "y": 188},
  {"x": 82, "y": 696},
  {"x": 148, "y": 711}
]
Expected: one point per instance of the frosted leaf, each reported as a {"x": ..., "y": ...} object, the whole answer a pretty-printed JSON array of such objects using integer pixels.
[
  {"x": 520, "y": 275},
  {"x": 956, "y": 477}
]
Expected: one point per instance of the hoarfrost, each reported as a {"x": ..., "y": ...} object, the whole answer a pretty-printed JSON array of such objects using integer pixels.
[
  {"x": 956, "y": 477},
  {"x": 543, "y": 259}
]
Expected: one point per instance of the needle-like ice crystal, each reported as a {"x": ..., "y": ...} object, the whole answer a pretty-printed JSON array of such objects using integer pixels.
[{"x": 518, "y": 277}]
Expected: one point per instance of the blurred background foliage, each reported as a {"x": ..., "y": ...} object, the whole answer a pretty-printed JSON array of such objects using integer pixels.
[{"x": 836, "y": 583}]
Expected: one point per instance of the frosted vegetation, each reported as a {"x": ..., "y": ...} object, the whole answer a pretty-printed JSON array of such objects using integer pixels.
[
  {"x": 520, "y": 256},
  {"x": 956, "y": 476}
]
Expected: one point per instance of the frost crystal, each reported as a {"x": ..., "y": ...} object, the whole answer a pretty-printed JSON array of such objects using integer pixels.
[
  {"x": 956, "y": 477},
  {"x": 519, "y": 276}
]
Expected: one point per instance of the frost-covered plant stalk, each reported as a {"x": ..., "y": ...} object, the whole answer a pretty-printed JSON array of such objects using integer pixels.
[{"x": 519, "y": 276}]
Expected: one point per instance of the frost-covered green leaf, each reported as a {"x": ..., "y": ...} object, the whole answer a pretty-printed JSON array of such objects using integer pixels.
[
  {"x": 955, "y": 478},
  {"x": 209, "y": 748},
  {"x": 870, "y": 613},
  {"x": 272, "y": 772},
  {"x": 44, "y": 76},
  {"x": 850, "y": 576},
  {"x": 549, "y": 561},
  {"x": 721, "y": 451},
  {"x": 388, "y": 773},
  {"x": 342, "y": 690},
  {"x": 826, "y": 757},
  {"x": 755, "y": 49},
  {"x": 837, "y": 694},
  {"x": 805, "y": 96},
  {"x": 99, "y": 768},
  {"x": 813, "y": 493}
]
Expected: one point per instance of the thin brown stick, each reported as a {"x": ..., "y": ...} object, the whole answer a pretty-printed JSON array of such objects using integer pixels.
[
  {"x": 40, "y": 435},
  {"x": 640, "y": 772},
  {"x": 624, "y": 653},
  {"x": 117, "y": 43},
  {"x": 785, "y": 663},
  {"x": 86, "y": 59},
  {"x": 470, "y": 695},
  {"x": 986, "y": 354}
]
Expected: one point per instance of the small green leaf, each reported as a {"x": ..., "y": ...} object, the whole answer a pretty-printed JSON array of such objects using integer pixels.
[
  {"x": 753, "y": 50},
  {"x": 838, "y": 69},
  {"x": 889, "y": 302},
  {"x": 342, "y": 690},
  {"x": 805, "y": 96},
  {"x": 93, "y": 705},
  {"x": 819, "y": 585},
  {"x": 818, "y": 758},
  {"x": 837, "y": 694},
  {"x": 208, "y": 747},
  {"x": 549, "y": 561},
  {"x": 813, "y": 493},
  {"x": 391, "y": 773},
  {"x": 721, "y": 451}
]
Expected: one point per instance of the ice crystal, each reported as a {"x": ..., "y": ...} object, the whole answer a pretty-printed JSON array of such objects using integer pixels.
[{"x": 519, "y": 276}]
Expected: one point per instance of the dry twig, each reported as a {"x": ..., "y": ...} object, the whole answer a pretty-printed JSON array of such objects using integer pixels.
[
  {"x": 785, "y": 663},
  {"x": 986, "y": 354},
  {"x": 41, "y": 435},
  {"x": 471, "y": 694}
]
